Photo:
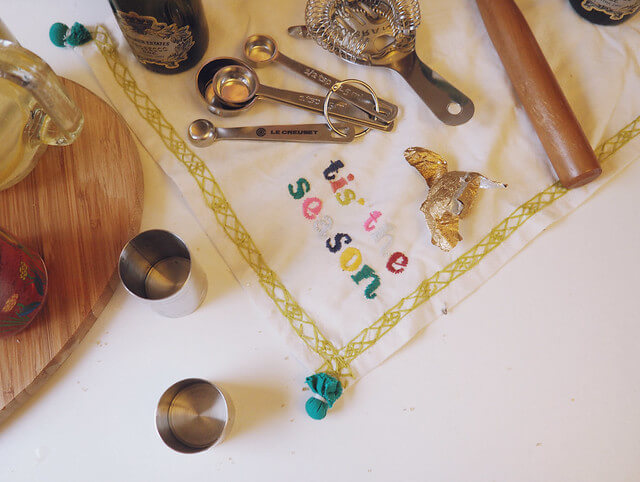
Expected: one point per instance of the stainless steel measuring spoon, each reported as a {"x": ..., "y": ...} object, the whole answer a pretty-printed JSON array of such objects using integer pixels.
[
  {"x": 260, "y": 50},
  {"x": 237, "y": 85},
  {"x": 203, "y": 133},
  {"x": 241, "y": 87}
]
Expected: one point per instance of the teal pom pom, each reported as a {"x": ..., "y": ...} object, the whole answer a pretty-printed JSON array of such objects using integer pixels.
[
  {"x": 79, "y": 35},
  {"x": 58, "y": 33},
  {"x": 316, "y": 409},
  {"x": 327, "y": 387}
]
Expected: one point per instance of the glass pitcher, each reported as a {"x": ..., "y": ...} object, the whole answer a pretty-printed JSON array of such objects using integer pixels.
[{"x": 35, "y": 111}]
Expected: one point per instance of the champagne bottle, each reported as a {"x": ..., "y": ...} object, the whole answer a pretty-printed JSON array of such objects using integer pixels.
[
  {"x": 606, "y": 12},
  {"x": 166, "y": 36}
]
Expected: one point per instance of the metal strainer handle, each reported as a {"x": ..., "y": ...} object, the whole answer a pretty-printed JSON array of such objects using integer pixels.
[{"x": 447, "y": 103}]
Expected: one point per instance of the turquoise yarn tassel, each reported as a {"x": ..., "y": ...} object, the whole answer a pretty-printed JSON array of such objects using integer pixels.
[
  {"x": 78, "y": 35},
  {"x": 57, "y": 34},
  {"x": 60, "y": 34},
  {"x": 327, "y": 390}
]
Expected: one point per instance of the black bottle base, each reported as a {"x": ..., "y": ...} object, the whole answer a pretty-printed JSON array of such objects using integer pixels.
[{"x": 594, "y": 16}]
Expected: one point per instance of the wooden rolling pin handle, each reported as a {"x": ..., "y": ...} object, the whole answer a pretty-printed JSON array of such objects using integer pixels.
[{"x": 548, "y": 109}]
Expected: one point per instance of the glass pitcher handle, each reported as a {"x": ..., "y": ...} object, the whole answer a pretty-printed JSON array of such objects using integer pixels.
[
  {"x": 26, "y": 69},
  {"x": 5, "y": 33}
]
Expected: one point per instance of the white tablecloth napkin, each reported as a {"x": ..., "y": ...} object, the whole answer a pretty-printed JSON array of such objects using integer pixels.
[{"x": 239, "y": 190}]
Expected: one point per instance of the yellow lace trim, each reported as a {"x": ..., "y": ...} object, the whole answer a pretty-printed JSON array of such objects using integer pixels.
[
  {"x": 337, "y": 361},
  {"x": 215, "y": 200}
]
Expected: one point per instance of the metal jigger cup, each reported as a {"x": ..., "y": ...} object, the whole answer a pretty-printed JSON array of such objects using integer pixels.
[
  {"x": 157, "y": 268},
  {"x": 194, "y": 415}
]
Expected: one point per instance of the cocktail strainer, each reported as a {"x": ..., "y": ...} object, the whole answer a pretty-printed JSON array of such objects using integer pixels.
[{"x": 382, "y": 33}]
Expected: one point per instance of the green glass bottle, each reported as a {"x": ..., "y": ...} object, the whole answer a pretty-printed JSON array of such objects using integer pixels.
[
  {"x": 606, "y": 12},
  {"x": 166, "y": 36}
]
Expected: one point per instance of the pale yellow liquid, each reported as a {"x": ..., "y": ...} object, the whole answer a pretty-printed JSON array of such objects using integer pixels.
[{"x": 19, "y": 132}]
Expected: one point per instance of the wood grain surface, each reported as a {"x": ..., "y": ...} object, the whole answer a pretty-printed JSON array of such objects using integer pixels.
[
  {"x": 77, "y": 209},
  {"x": 561, "y": 135}
]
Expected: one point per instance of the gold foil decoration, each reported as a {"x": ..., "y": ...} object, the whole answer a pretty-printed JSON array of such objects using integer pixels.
[{"x": 451, "y": 195}]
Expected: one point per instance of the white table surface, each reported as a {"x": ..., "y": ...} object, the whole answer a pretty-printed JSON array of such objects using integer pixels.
[{"x": 544, "y": 384}]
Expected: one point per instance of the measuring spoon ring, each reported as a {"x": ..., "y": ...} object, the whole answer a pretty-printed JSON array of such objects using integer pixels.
[
  {"x": 236, "y": 86},
  {"x": 260, "y": 50},
  {"x": 203, "y": 133}
]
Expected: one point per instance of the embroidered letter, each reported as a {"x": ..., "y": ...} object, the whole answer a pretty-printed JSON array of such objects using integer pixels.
[
  {"x": 311, "y": 207},
  {"x": 331, "y": 171},
  {"x": 337, "y": 246},
  {"x": 347, "y": 196},
  {"x": 382, "y": 232},
  {"x": 397, "y": 262},
  {"x": 347, "y": 262},
  {"x": 303, "y": 188},
  {"x": 367, "y": 272},
  {"x": 340, "y": 183},
  {"x": 323, "y": 225},
  {"x": 370, "y": 224}
]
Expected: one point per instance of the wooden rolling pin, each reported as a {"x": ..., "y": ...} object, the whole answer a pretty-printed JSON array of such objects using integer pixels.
[{"x": 558, "y": 129}]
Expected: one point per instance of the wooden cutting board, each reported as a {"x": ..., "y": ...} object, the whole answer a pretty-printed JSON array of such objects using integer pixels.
[{"x": 77, "y": 209}]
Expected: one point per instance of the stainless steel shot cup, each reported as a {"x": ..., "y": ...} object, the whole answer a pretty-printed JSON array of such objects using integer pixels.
[
  {"x": 194, "y": 415},
  {"x": 157, "y": 268}
]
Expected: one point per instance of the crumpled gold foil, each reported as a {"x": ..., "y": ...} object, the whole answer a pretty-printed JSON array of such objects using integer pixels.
[{"x": 451, "y": 195}]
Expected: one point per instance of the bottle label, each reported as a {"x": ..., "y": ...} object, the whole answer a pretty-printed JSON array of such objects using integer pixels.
[
  {"x": 615, "y": 9},
  {"x": 154, "y": 42}
]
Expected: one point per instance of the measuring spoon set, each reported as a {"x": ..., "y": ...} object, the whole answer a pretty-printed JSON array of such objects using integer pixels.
[{"x": 230, "y": 87}]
